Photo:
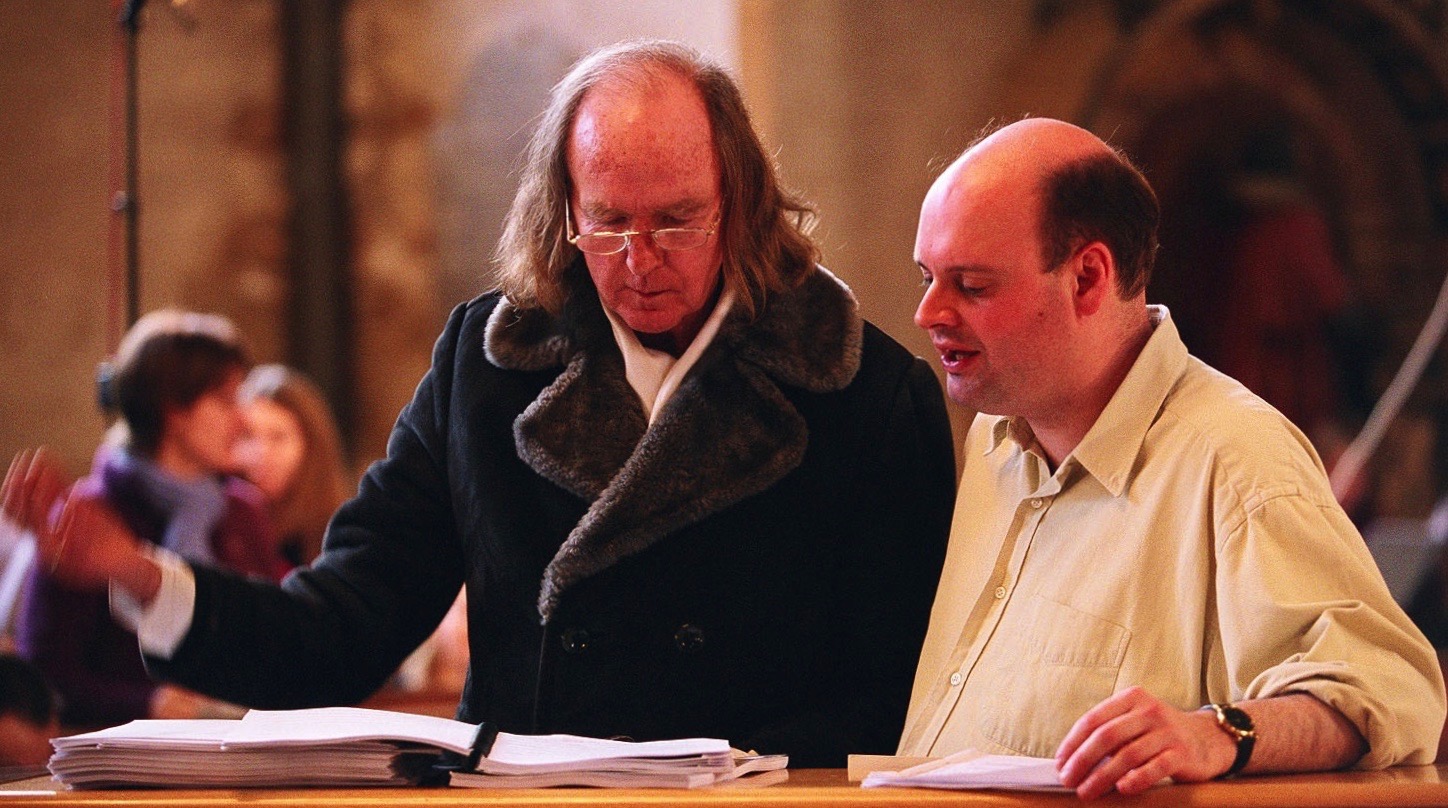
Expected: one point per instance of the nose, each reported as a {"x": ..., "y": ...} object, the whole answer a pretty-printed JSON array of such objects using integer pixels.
[
  {"x": 934, "y": 309},
  {"x": 642, "y": 255}
]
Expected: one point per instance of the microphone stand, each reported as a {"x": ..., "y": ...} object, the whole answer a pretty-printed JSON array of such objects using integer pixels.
[{"x": 126, "y": 201}]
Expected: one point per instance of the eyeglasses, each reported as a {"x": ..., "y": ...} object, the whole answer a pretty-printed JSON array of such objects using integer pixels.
[{"x": 604, "y": 242}]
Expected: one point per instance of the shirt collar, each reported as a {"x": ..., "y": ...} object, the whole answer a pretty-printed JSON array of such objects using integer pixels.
[
  {"x": 1109, "y": 450},
  {"x": 1111, "y": 446}
]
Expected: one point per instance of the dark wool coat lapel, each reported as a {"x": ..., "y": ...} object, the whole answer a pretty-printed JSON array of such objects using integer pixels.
[{"x": 729, "y": 431}]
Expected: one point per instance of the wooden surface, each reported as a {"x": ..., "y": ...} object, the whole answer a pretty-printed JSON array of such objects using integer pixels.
[{"x": 1404, "y": 786}]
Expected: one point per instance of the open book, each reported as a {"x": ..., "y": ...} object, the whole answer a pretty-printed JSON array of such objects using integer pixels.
[{"x": 350, "y": 746}]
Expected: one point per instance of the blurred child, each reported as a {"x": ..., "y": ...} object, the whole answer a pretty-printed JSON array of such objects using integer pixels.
[
  {"x": 294, "y": 455},
  {"x": 168, "y": 470}
]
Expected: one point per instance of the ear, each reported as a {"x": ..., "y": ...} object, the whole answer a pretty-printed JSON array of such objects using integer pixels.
[{"x": 1094, "y": 272}]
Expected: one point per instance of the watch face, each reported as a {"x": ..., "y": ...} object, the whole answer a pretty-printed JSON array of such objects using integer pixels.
[
  {"x": 1238, "y": 724},
  {"x": 1238, "y": 719}
]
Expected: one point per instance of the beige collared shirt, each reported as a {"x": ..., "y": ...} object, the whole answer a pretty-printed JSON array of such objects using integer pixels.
[{"x": 1190, "y": 545}]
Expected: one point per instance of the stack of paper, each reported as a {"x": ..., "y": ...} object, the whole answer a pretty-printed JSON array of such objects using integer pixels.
[
  {"x": 337, "y": 746},
  {"x": 524, "y": 761},
  {"x": 972, "y": 769},
  {"x": 350, "y": 747}
]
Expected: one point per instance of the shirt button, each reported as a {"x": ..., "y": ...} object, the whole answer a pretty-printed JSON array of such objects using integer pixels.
[
  {"x": 1000, "y": 592},
  {"x": 1036, "y": 503},
  {"x": 956, "y": 679},
  {"x": 575, "y": 640},
  {"x": 689, "y": 638}
]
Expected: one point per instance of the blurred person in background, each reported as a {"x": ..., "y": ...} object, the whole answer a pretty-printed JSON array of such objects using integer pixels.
[
  {"x": 28, "y": 717},
  {"x": 167, "y": 468},
  {"x": 293, "y": 454}
]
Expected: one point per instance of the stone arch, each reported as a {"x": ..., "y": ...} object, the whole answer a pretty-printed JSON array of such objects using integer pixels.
[{"x": 1358, "y": 89}]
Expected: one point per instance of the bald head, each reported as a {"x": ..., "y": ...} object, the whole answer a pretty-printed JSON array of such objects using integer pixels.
[
  {"x": 645, "y": 129},
  {"x": 1076, "y": 188},
  {"x": 1035, "y": 247},
  {"x": 1027, "y": 151}
]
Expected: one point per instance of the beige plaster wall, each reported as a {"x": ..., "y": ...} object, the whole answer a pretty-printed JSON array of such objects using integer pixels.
[
  {"x": 867, "y": 102},
  {"x": 209, "y": 188},
  {"x": 52, "y": 221}
]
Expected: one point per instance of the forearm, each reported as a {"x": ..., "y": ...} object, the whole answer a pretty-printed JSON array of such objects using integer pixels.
[
  {"x": 1133, "y": 740},
  {"x": 1296, "y": 732},
  {"x": 139, "y": 575}
]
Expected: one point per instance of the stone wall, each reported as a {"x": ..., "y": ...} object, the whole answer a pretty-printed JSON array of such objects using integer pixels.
[
  {"x": 862, "y": 102},
  {"x": 210, "y": 193}
]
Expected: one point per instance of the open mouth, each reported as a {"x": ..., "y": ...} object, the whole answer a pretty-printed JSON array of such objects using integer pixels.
[{"x": 955, "y": 361}]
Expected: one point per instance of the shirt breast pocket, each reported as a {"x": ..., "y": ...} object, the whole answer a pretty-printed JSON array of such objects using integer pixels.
[{"x": 1071, "y": 663}]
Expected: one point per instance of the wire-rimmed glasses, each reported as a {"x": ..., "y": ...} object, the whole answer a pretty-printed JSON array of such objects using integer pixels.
[{"x": 605, "y": 242}]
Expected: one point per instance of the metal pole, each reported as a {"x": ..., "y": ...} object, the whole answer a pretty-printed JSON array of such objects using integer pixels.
[{"x": 127, "y": 202}]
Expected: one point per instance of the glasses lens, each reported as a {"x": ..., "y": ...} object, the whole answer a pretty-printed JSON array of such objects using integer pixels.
[
  {"x": 680, "y": 238},
  {"x": 601, "y": 243}
]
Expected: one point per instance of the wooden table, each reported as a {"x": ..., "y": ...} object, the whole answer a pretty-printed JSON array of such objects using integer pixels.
[{"x": 808, "y": 788}]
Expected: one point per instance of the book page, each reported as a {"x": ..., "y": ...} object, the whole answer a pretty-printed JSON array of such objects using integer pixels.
[
  {"x": 330, "y": 724},
  {"x": 525, "y": 750},
  {"x": 149, "y": 733}
]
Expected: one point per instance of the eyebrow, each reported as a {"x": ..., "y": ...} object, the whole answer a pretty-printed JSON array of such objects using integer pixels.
[
  {"x": 959, "y": 269},
  {"x": 682, "y": 209}
]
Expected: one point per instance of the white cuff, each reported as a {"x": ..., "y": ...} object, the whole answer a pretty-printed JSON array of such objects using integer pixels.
[{"x": 161, "y": 626}]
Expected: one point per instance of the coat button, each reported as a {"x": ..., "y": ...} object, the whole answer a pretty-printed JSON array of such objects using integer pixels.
[
  {"x": 574, "y": 640},
  {"x": 689, "y": 638}
]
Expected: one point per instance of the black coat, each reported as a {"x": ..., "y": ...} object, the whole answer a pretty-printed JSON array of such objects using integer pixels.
[{"x": 758, "y": 566}]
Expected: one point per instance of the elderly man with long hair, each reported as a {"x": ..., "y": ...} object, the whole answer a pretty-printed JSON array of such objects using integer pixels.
[{"x": 688, "y": 489}]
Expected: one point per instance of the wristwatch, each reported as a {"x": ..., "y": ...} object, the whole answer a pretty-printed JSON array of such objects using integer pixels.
[{"x": 1238, "y": 725}]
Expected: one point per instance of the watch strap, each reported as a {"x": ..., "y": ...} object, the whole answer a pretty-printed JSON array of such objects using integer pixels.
[{"x": 1238, "y": 725}]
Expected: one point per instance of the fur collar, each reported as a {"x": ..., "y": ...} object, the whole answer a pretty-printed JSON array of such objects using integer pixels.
[{"x": 729, "y": 432}]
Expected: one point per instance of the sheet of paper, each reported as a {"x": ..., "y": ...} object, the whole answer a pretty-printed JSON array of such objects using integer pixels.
[
  {"x": 357, "y": 747},
  {"x": 857, "y": 766},
  {"x": 327, "y": 724},
  {"x": 151, "y": 732},
  {"x": 553, "y": 749},
  {"x": 974, "y": 771}
]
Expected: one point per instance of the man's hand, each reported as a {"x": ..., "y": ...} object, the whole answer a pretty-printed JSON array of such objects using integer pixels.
[
  {"x": 33, "y": 491},
  {"x": 1133, "y": 740},
  {"x": 79, "y": 539}
]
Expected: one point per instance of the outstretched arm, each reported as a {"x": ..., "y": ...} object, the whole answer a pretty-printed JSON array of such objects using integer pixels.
[{"x": 79, "y": 539}]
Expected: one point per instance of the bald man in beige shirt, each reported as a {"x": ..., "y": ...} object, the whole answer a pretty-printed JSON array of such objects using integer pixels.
[{"x": 1148, "y": 574}]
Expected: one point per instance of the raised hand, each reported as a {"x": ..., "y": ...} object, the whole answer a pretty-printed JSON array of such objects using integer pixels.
[
  {"x": 34, "y": 489},
  {"x": 79, "y": 539}
]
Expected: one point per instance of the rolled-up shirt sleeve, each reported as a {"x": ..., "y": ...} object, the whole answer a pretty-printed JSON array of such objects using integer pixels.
[{"x": 1305, "y": 610}]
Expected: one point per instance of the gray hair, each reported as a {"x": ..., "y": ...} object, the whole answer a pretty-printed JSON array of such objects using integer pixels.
[{"x": 763, "y": 228}]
